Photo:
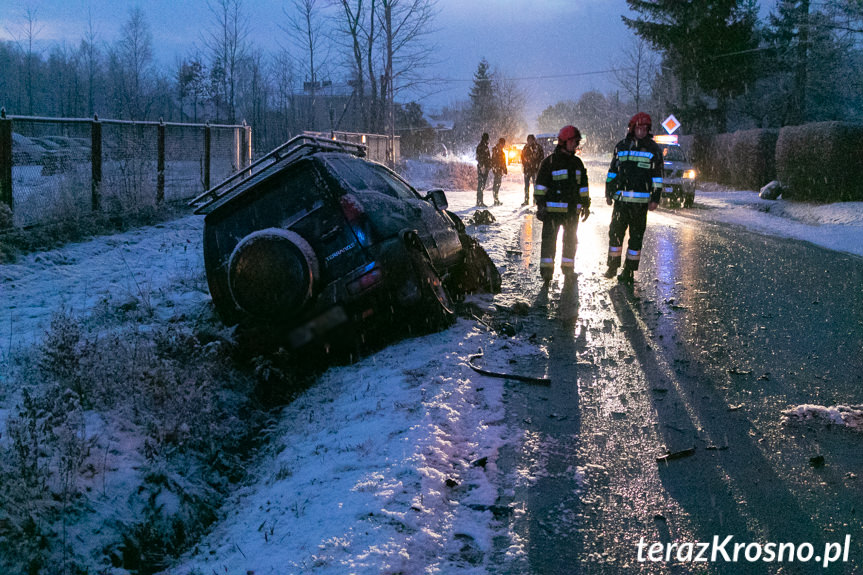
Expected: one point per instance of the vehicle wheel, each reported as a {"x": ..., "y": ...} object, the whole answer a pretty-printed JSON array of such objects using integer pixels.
[
  {"x": 434, "y": 310},
  {"x": 477, "y": 273},
  {"x": 271, "y": 273},
  {"x": 689, "y": 200}
]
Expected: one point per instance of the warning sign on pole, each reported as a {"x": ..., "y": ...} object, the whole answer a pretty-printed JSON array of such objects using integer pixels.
[{"x": 670, "y": 124}]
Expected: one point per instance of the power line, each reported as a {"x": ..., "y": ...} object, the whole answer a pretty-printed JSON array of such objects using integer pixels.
[{"x": 544, "y": 77}]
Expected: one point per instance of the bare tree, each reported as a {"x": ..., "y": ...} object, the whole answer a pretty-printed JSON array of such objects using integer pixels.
[
  {"x": 191, "y": 83},
  {"x": 25, "y": 37},
  {"x": 307, "y": 33},
  {"x": 635, "y": 79},
  {"x": 255, "y": 91},
  {"x": 90, "y": 55},
  {"x": 405, "y": 28},
  {"x": 284, "y": 80},
  {"x": 510, "y": 101},
  {"x": 355, "y": 25},
  {"x": 227, "y": 43},
  {"x": 134, "y": 53}
]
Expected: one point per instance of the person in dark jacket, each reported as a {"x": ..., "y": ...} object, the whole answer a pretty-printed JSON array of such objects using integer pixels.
[
  {"x": 531, "y": 156},
  {"x": 561, "y": 195},
  {"x": 634, "y": 186},
  {"x": 498, "y": 167},
  {"x": 483, "y": 165}
]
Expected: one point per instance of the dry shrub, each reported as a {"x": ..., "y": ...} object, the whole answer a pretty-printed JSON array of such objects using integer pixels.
[
  {"x": 458, "y": 175},
  {"x": 175, "y": 388},
  {"x": 820, "y": 162}
]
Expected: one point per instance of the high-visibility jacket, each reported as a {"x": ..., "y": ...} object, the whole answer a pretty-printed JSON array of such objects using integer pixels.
[
  {"x": 561, "y": 184},
  {"x": 635, "y": 175}
]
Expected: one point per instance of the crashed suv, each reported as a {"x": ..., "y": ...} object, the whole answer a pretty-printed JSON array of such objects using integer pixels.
[{"x": 317, "y": 243}]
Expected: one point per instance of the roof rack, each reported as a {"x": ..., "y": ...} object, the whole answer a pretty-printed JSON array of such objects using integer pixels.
[{"x": 293, "y": 149}]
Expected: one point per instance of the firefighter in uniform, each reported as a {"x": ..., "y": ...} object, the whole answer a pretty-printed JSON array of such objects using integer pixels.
[
  {"x": 483, "y": 165},
  {"x": 561, "y": 195},
  {"x": 634, "y": 186}
]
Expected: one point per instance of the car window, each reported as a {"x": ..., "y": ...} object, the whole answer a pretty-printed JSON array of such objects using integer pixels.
[
  {"x": 673, "y": 154},
  {"x": 363, "y": 176}
]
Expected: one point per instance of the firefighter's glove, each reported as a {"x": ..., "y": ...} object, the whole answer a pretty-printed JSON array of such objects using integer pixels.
[
  {"x": 608, "y": 199},
  {"x": 540, "y": 213},
  {"x": 585, "y": 212}
]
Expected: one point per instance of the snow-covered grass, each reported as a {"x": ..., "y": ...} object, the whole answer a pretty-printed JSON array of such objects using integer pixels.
[
  {"x": 388, "y": 465},
  {"x": 836, "y": 226}
]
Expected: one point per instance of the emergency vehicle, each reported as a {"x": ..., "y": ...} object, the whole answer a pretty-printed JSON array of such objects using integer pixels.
[{"x": 678, "y": 181}]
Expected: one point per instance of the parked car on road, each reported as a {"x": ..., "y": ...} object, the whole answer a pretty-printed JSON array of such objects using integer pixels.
[
  {"x": 318, "y": 243},
  {"x": 679, "y": 178}
]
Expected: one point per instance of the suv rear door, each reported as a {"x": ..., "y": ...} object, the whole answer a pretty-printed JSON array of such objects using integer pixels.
[{"x": 392, "y": 206}]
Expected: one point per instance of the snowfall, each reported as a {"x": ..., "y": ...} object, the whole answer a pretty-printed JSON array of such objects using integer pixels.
[{"x": 387, "y": 465}]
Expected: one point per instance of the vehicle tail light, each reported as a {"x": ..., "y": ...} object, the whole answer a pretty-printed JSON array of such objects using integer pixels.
[
  {"x": 370, "y": 278},
  {"x": 355, "y": 214}
]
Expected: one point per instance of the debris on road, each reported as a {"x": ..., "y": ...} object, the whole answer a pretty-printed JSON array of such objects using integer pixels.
[
  {"x": 817, "y": 462},
  {"x": 676, "y": 455},
  {"x": 523, "y": 378}
]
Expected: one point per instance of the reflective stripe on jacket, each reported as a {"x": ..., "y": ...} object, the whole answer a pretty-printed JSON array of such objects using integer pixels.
[
  {"x": 635, "y": 174},
  {"x": 561, "y": 184}
]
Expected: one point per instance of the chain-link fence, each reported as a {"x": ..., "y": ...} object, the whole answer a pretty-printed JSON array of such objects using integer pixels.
[{"x": 53, "y": 169}]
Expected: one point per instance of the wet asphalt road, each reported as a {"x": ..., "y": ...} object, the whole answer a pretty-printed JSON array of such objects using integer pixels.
[{"x": 723, "y": 330}]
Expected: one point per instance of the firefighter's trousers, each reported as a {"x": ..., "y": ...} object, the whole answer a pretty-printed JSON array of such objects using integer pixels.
[
  {"x": 550, "y": 228},
  {"x": 634, "y": 217}
]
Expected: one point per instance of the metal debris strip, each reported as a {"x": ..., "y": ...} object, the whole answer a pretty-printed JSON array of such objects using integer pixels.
[
  {"x": 676, "y": 455},
  {"x": 523, "y": 378}
]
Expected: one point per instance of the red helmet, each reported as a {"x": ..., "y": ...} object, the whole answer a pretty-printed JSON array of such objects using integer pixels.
[
  {"x": 568, "y": 133},
  {"x": 640, "y": 119}
]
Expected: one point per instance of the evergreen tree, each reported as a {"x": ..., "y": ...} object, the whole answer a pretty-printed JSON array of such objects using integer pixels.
[
  {"x": 707, "y": 44},
  {"x": 807, "y": 52},
  {"x": 483, "y": 107}
]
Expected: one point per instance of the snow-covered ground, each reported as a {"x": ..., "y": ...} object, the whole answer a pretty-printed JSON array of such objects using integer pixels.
[
  {"x": 836, "y": 226},
  {"x": 384, "y": 466}
]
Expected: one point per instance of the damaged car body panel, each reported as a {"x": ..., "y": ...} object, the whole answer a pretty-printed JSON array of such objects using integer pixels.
[{"x": 316, "y": 242}]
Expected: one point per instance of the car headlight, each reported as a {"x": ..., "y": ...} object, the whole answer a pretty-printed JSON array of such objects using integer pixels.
[{"x": 689, "y": 174}]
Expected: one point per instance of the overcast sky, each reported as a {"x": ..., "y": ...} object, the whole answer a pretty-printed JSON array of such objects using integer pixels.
[{"x": 558, "y": 49}]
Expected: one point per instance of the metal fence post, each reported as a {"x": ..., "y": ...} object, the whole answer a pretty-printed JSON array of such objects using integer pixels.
[
  {"x": 96, "y": 162},
  {"x": 207, "y": 147},
  {"x": 248, "y": 150},
  {"x": 160, "y": 164},
  {"x": 241, "y": 152},
  {"x": 5, "y": 159}
]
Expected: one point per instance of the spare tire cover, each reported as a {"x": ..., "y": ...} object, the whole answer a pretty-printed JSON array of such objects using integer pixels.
[{"x": 272, "y": 273}]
